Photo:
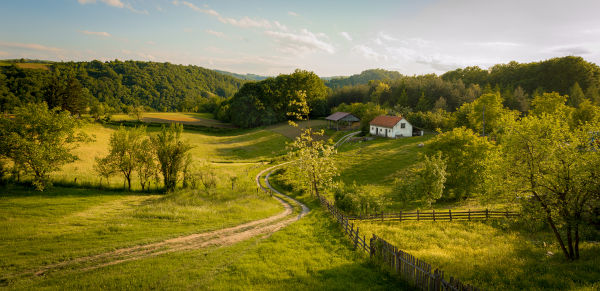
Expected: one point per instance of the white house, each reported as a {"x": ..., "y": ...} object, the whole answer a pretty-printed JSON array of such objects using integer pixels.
[{"x": 390, "y": 126}]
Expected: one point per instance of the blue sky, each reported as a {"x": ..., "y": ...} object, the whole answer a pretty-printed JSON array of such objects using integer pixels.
[{"x": 327, "y": 37}]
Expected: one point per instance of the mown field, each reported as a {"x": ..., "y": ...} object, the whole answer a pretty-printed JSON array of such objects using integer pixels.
[{"x": 189, "y": 118}]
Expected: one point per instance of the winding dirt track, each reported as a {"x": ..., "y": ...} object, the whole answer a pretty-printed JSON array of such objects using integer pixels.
[{"x": 222, "y": 237}]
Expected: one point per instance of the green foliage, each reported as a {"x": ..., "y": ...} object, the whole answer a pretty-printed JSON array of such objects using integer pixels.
[
  {"x": 559, "y": 168},
  {"x": 576, "y": 95},
  {"x": 431, "y": 178},
  {"x": 160, "y": 86},
  {"x": 551, "y": 103},
  {"x": 432, "y": 120},
  {"x": 586, "y": 113},
  {"x": 129, "y": 150},
  {"x": 171, "y": 151},
  {"x": 267, "y": 102},
  {"x": 313, "y": 164},
  {"x": 488, "y": 110},
  {"x": 358, "y": 200},
  {"x": 40, "y": 140},
  {"x": 468, "y": 158}
]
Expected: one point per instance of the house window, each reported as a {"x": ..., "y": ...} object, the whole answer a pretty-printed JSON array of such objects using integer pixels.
[{"x": 402, "y": 125}]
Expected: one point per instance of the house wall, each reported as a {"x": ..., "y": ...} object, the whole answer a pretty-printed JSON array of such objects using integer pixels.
[
  {"x": 396, "y": 131},
  {"x": 404, "y": 132}
]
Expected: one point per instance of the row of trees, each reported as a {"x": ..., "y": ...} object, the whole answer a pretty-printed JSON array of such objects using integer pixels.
[
  {"x": 116, "y": 84},
  {"x": 133, "y": 151},
  {"x": 37, "y": 141}
]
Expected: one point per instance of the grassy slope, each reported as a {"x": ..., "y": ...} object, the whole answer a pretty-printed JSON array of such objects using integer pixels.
[
  {"x": 243, "y": 151},
  {"x": 495, "y": 256},
  {"x": 310, "y": 254}
]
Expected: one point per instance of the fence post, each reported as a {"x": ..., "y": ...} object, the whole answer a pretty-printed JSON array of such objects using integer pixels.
[
  {"x": 356, "y": 239},
  {"x": 372, "y": 246},
  {"x": 381, "y": 215},
  {"x": 400, "y": 215},
  {"x": 434, "y": 215},
  {"x": 487, "y": 215},
  {"x": 506, "y": 213},
  {"x": 450, "y": 214},
  {"x": 469, "y": 214},
  {"x": 417, "y": 214}
]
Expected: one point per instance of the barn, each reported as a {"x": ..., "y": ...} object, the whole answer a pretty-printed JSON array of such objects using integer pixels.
[
  {"x": 390, "y": 126},
  {"x": 341, "y": 118}
]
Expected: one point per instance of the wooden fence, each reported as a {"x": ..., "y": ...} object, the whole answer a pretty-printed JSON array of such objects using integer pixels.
[
  {"x": 409, "y": 268},
  {"x": 437, "y": 215}
]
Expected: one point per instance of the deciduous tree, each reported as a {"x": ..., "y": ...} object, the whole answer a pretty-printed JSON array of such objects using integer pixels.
[{"x": 40, "y": 140}]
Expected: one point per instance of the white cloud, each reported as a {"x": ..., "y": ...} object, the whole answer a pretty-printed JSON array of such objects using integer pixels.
[
  {"x": 346, "y": 35},
  {"x": 196, "y": 8},
  {"x": 97, "y": 33},
  {"x": 246, "y": 22},
  {"x": 114, "y": 3},
  {"x": 30, "y": 46},
  {"x": 3, "y": 53},
  {"x": 368, "y": 53},
  {"x": 302, "y": 42},
  {"x": 495, "y": 44},
  {"x": 215, "y": 33},
  {"x": 280, "y": 26},
  {"x": 292, "y": 13},
  {"x": 572, "y": 50}
]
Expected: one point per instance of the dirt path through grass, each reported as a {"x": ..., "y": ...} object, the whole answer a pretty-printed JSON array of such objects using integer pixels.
[{"x": 222, "y": 237}]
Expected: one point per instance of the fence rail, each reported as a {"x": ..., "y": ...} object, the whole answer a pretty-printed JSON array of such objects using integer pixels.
[
  {"x": 437, "y": 215},
  {"x": 409, "y": 268}
]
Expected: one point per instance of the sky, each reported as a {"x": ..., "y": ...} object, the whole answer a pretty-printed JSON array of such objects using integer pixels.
[{"x": 330, "y": 38}]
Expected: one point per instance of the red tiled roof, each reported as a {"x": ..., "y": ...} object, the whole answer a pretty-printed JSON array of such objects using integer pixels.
[{"x": 385, "y": 121}]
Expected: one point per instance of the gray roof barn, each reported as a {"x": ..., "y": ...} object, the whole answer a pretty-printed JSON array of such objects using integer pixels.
[{"x": 344, "y": 117}]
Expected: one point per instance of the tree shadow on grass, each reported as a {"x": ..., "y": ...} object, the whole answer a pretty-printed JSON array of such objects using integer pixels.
[{"x": 22, "y": 190}]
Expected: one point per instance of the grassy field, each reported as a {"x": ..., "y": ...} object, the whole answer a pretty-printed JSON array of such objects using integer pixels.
[
  {"x": 63, "y": 223},
  {"x": 201, "y": 119},
  {"x": 310, "y": 254},
  {"x": 231, "y": 153},
  {"x": 493, "y": 256},
  {"x": 501, "y": 255}
]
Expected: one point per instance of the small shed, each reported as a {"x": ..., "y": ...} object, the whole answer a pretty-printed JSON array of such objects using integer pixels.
[
  {"x": 345, "y": 118},
  {"x": 390, "y": 126}
]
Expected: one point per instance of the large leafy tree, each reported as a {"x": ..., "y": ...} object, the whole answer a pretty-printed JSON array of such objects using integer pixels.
[
  {"x": 268, "y": 101},
  {"x": 40, "y": 140},
  {"x": 556, "y": 169},
  {"x": 468, "y": 159},
  {"x": 127, "y": 151},
  {"x": 171, "y": 151}
]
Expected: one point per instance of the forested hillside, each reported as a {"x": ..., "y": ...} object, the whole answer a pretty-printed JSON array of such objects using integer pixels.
[
  {"x": 118, "y": 84},
  {"x": 363, "y": 78}
]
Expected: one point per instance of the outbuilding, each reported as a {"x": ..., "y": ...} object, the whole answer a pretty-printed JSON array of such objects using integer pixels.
[
  {"x": 343, "y": 118},
  {"x": 390, "y": 126}
]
